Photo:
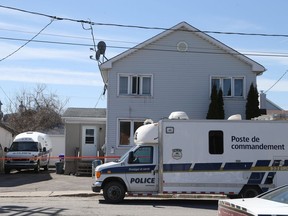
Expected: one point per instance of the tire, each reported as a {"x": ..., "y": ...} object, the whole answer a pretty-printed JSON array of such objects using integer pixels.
[
  {"x": 114, "y": 192},
  {"x": 46, "y": 167},
  {"x": 250, "y": 191},
  {"x": 37, "y": 168}
]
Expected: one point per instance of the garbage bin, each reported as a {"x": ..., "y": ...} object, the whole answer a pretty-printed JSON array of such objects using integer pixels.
[
  {"x": 59, "y": 167},
  {"x": 95, "y": 163}
]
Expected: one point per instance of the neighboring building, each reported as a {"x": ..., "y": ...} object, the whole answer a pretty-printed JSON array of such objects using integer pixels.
[
  {"x": 7, "y": 135},
  {"x": 174, "y": 70},
  {"x": 57, "y": 137},
  {"x": 85, "y": 130},
  {"x": 270, "y": 110}
]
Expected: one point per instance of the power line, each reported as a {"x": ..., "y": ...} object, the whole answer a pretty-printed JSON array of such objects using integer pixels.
[
  {"x": 140, "y": 27},
  {"x": 198, "y": 50},
  {"x": 277, "y": 81},
  {"x": 28, "y": 41}
]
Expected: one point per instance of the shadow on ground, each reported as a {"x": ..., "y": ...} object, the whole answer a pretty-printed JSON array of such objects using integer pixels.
[
  {"x": 24, "y": 177},
  {"x": 23, "y": 210}
]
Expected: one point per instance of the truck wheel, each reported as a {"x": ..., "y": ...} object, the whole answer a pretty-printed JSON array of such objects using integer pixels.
[
  {"x": 37, "y": 168},
  {"x": 250, "y": 191},
  {"x": 114, "y": 192}
]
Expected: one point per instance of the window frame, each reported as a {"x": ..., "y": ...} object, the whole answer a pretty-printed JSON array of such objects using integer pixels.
[
  {"x": 151, "y": 155},
  {"x": 131, "y": 131},
  {"x": 136, "y": 85},
  {"x": 216, "y": 148},
  {"x": 220, "y": 82},
  {"x": 85, "y": 135}
]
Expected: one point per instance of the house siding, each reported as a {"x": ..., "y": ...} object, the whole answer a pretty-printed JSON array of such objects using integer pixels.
[
  {"x": 72, "y": 140},
  {"x": 181, "y": 81}
]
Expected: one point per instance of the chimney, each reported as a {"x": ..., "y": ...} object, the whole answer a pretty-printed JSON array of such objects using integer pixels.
[{"x": 262, "y": 103}]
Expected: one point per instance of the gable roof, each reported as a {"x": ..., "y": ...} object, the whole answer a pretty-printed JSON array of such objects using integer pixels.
[
  {"x": 9, "y": 129},
  {"x": 256, "y": 67},
  {"x": 85, "y": 115}
]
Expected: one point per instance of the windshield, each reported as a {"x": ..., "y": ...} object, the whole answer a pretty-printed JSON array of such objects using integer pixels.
[
  {"x": 24, "y": 146},
  {"x": 278, "y": 195},
  {"x": 126, "y": 154}
]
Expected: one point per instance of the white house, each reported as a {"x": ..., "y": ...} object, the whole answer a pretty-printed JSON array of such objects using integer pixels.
[{"x": 172, "y": 71}]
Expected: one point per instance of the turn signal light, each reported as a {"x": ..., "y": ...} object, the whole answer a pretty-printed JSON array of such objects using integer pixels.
[{"x": 98, "y": 174}]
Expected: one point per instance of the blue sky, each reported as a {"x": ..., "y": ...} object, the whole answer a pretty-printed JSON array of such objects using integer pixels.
[{"x": 68, "y": 71}]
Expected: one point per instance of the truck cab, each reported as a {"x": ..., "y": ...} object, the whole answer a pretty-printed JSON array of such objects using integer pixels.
[{"x": 136, "y": 171}]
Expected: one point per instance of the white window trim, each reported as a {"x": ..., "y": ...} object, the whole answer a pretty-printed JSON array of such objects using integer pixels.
[
  {"x": 132, "y": 120},
  {"x": 84, "y": 128},
  {"x": 130, "y": 75},
  {"x": 232, "y": 78}
]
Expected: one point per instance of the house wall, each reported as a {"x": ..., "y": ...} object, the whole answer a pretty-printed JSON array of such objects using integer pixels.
[
  {"x": 73, "y": 144},
  {"x": 5, "y": 140},
  {"x": 58, "y": 147},
  {"x": 72, "y": 141},
  {"x": 181, "y": 81}
]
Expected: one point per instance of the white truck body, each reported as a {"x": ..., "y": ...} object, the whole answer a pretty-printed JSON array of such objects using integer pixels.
[
  {"x": 29, "y": 150},
  {"x": 199, "y": 156}
]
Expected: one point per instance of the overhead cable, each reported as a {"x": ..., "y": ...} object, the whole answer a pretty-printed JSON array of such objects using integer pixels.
[
  {"x": 28, "y": 41},
  {"x": 276, "y": 81},
  {"x": 139, "y": 27}
]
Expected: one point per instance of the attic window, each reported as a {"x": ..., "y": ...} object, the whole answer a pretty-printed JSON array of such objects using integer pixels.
[{"x": 182, "y": 46}]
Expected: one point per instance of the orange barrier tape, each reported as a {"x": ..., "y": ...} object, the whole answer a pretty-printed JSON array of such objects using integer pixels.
[{"x": 65, "y": 158}]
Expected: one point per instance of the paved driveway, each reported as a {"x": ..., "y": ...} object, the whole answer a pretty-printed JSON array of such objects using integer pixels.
[{"x": 43, "y": 181}]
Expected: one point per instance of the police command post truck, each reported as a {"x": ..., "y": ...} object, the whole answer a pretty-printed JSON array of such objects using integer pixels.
[
  {"x": 182, "y": 156},
  {"x": 29, "y": 150}
]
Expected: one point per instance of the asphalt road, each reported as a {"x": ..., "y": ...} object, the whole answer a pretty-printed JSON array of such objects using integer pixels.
[{"x": 27, "y": 180}]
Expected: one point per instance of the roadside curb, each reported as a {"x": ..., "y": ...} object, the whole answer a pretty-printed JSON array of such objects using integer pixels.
[{"x": 91, "y": 194}]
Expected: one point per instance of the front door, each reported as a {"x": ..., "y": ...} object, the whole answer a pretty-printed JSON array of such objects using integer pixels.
[
  {"x": 142, "y": 172},
  {"x": 89, "y": 142}
]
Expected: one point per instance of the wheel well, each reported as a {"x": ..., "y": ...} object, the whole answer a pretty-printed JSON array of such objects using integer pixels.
[
  {"x": 116, "y": 179},
  {"x": 250, "y": 189}
]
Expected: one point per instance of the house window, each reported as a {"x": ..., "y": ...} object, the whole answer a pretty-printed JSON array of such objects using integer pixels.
[
  {"x": 127, "y": 129},
  {"x": 135, "y": 85},
  {"x": 216, "y": 145},
  {"x": 231, "y": 86},
  {"x": 89, "y": 136}
]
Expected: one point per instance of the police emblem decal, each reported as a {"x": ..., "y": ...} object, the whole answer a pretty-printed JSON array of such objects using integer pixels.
[{"x": 177, "y": 154}]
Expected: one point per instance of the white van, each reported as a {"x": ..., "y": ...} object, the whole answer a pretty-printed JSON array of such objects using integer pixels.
[{"x": 29, "y": 150}]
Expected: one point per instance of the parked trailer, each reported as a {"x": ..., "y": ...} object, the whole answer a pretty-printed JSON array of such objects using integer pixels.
[
  {"x": 29, "y": 150},
  {"x": 182, "y": 156}
]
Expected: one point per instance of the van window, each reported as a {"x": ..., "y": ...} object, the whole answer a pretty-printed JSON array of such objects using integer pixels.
[
  {"x": 216, "y": 145},
  {"x": 24, "y": 146}
]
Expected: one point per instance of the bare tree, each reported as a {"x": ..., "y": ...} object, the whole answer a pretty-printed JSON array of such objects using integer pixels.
[{"x": 35, "y": 110}]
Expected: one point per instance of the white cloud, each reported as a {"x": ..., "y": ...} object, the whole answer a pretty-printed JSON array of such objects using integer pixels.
[{"x": 50, "y": 76}]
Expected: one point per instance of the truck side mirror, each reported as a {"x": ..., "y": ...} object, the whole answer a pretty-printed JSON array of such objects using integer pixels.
[
  {"x": 44, "y": 149},
  {"x": 5, "y": 149},
  {"x": 131, "y": 157}
]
